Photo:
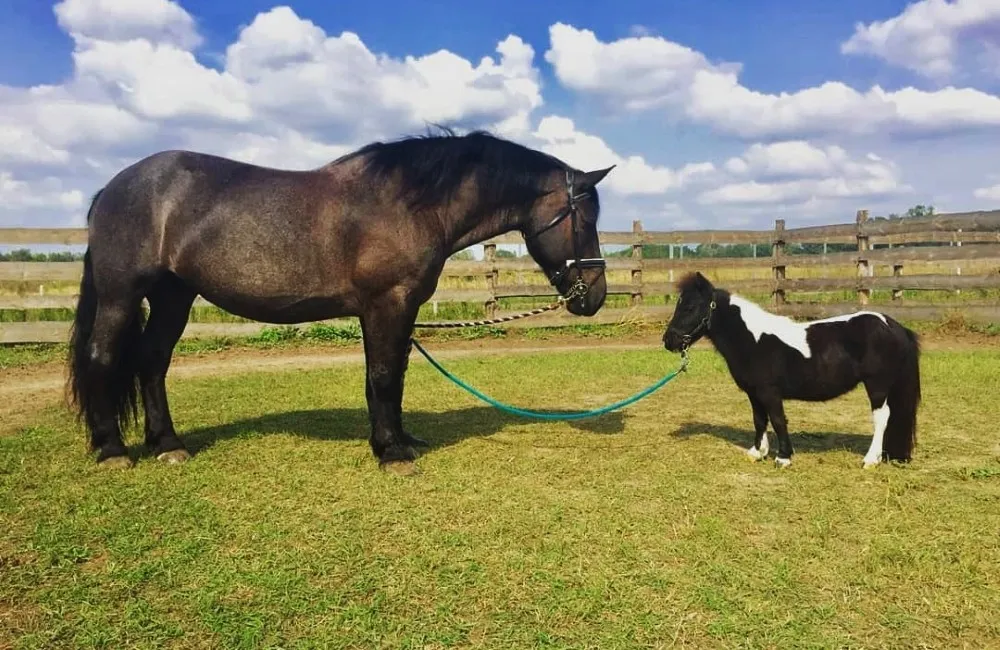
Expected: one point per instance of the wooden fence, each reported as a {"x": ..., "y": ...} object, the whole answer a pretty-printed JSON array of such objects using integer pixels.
[{"x": 962, "y": 237}]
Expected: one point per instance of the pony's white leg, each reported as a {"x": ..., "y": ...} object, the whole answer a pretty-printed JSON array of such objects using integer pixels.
[
  {"x": 760, "y": 453},
  {"x": 880, "y": 418}
]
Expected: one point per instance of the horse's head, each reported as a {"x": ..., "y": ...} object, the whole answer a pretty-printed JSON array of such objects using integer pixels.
[
  {"x": 561, "y": 235},
  {"x": 693, "y": 314}
]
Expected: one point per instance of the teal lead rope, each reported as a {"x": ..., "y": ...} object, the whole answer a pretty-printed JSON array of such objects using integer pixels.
[{"x": 541, "y": 415}]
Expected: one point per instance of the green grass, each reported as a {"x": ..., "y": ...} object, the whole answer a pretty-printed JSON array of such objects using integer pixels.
[{"x": 644, "y": 528}]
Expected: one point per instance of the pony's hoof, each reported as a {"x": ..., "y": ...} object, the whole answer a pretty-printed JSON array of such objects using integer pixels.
[
  {"x": 174, "y": 457},
  {"x": 755, "y": 454},
  {"x": 401, "y": 468},
  {"x": 116, "y": 462},
  {"x": 782, "y": 463},
  {"x": 871, "y": 462}
]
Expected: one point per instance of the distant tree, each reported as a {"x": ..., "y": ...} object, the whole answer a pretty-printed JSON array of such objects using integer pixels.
[{"x": 503, "y": 252}]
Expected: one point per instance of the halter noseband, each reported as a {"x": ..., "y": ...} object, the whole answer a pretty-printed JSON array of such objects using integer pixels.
[{"x": 579, "y": 288}]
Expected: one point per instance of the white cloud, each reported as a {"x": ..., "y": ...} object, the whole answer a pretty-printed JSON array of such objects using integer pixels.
[
  {"x": 161, "y": 21},
  {"x": 286, "y": 94},
  {"x": 17, "y": 194},
  {"x": 798, "y": 172},
  {"x": 930, "y": 36},
  {"x": 991, "y": 193},
  {"x": 558, "y": 136},
  {"x": 643, "y": 73}
]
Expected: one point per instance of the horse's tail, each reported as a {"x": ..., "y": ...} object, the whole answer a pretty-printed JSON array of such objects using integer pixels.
[
  {"x": 85, "y": 382},
  {"x": 904, "y": 398}
]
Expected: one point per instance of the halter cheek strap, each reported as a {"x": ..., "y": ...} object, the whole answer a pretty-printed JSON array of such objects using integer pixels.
[
  {"x": 705, "y": 323},
  {"x": 579, "y": 288}
]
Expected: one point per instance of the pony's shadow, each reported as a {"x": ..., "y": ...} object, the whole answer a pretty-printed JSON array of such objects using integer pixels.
[
  {"x": 438, "y": 429},
  {"x": 806, "y": 441}
]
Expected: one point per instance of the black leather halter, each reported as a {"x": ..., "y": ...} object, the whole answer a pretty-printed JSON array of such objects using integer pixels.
[{"x": 579, "y": 288}]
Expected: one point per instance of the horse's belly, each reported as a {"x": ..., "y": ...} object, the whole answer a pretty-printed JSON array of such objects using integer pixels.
[{"x": 284, "y": 310}]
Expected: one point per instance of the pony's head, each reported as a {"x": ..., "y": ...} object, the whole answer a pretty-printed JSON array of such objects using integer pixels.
[
  {"x": 693, "y": 314},
  {"x": 561, "y": 235}
]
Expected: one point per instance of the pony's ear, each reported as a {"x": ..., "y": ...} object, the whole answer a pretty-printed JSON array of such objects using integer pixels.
[
  {"x": 590, "y": 179},
  {"x": 703, "y": 283}
]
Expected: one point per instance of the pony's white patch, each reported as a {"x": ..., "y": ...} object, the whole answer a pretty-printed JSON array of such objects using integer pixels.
[
  {"x": 782, "y": 462},
  {"x": 760, "y": 321},
  {"x": 843, "y": 318},
  {"x": 880, "y": 419}
]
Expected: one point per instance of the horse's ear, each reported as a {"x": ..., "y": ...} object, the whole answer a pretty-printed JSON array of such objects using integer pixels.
[
  {"x": 703, "y": 283},
  {"x": 590, "y": 179}
]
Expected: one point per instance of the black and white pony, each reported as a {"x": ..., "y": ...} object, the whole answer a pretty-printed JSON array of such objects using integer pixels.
[{"x": 773, "y": 358}]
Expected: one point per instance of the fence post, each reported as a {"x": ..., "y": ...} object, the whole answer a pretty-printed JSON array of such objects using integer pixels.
[
  {"x": 864, "y": 270},
  {"x": 778, "y": 262},
  {"x": 636, "y": 262},
  {"x": 897, "y": 271},
  {"x": 492, "y": 276}
]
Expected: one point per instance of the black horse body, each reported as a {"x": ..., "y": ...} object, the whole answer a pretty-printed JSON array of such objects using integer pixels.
[{"x": 366, "y": 235}]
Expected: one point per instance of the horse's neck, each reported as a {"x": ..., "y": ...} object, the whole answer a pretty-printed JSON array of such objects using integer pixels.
[
  {"x": 475, "y": 226},
  {"x": 729, "y": 333}
]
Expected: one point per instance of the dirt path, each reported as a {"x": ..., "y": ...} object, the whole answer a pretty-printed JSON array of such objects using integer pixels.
[{"x": 26, "y": 390}]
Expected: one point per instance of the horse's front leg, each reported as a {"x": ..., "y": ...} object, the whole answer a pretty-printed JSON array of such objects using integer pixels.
[
  {"x": 386, "y": 327},
  {"x": 759, "y": 449},
  {"x": 771, "y": 400}
]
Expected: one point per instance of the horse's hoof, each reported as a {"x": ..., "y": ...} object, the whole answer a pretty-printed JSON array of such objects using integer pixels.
[
  {"x": 782, "y": 463},
  {"x": 401, "y": 468},
  {"x": 755, "y": 454},
  {"x": 871, "y": 462},
  {"x": 116, "y": 462},
  {"x": 174, "y": 457}
]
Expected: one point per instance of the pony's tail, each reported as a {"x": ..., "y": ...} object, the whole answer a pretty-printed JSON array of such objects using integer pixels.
[
  {"x": 89, "y": 383},
  {"x": 904, "y": 398}
]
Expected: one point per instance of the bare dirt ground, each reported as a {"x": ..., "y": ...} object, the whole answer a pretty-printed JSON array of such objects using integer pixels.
[{"x": 25, "y": 390}]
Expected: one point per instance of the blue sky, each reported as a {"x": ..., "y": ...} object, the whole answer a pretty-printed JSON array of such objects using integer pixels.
[{"x": 718, "y": 114}]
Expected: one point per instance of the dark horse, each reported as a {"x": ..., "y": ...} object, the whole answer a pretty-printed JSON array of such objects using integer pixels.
[
  {"x": 773, "y": 358},
  {"x": 366, "y": 235}
]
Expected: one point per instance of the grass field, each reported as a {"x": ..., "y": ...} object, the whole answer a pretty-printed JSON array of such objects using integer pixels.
[{"x": 644, "y": 528}]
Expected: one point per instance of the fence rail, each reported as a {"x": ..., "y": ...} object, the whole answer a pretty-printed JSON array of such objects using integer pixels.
[{"x": 960, "y": 237}]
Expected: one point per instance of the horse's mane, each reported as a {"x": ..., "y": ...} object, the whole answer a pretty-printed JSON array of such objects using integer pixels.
[
  {"x": 433, "y": 166},
  {"x": 688, "y": 281}
]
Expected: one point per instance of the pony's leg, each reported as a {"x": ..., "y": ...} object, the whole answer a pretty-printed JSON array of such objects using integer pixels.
[
  {"x": 878, "y": 399},
  {"x": 170, "y": 307},
  {"x": 111, "y": 378},
  {"x": 760, "y": 446},
  {"x": 776, "y": 413},
  {"x": 386, "y": 329}
]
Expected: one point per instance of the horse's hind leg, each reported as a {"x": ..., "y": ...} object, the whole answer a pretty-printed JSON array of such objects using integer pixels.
[
  {"x": 111, "y": 394},
  {"x": 170, "y": 306},
  {"x": 878, "y": 394}
]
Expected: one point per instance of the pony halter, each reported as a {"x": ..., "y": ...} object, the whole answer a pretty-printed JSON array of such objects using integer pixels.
[
  {"x": 705, "y": 323},
  {"x": 579, "y": 288}
]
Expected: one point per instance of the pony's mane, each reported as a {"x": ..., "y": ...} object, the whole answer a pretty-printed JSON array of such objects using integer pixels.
[
  {"x": 687, "y": 282},
  {"x": 433, "y": 166}
]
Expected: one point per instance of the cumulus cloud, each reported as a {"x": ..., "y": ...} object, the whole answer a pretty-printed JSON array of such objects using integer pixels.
[
  {"x": 991, "y": 193},
  {"x": 559, "y": 137},
  {"x": 287, "y": 94},
  {"x": 929, "y": 37},
  {"x": 651, "y": 72},
  {"x": 798, "y": 172},
  {"x": 17, "y": 194}
]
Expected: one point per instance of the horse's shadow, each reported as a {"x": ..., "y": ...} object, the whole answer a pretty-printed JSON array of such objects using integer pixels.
[
  {"x": 438, "y": 429},
  {"x": 805, "y": 441}
]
